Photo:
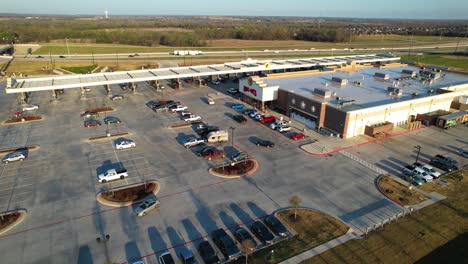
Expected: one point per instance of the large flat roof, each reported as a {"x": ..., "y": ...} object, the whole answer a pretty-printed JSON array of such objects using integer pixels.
[
  {"x": 372, "y": 92},
  {"x": 78, "y": 80}
]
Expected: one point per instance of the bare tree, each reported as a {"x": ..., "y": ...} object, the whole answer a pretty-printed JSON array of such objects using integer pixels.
[
  {"x": 247, "y": 247},
  {"x": 295, "y": 202}
]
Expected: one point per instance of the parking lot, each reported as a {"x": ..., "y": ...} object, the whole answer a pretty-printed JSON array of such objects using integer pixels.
[{"x": 57, "y": 184}]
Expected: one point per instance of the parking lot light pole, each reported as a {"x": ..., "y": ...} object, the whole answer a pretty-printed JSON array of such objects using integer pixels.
[{"x": 417, "y": 155}]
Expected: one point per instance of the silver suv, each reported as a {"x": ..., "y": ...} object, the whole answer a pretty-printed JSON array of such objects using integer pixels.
[{"x": 15, "y": 156}]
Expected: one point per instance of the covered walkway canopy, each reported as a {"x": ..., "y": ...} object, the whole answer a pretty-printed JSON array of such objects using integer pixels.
[{"x": 247, "y": 66}]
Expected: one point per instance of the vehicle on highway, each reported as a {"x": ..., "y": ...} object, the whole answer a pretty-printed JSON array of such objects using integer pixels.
[
  {"x": 166, "y": 258},
  {"x": 108, "y": 120},
  {"x": 14, "y": 156},
  {"x": 239, "y": 119},
  {"x": 178, "y": 108},
  {"x": 92, "y": 123},
  {"x": 276, "y": 226},
  {"x": 266, "y": 119},
  {"x": 297, "y": 136},
  {"x": 124, "y": 144},
  {"x": 264, "y": 143},
  {"x": 283, "y": 128},
  {"x": 232, "y": 90},
  {"x": 245, "y": 239},
  {"x": 248, "y": 111},
  {"x": 113, "y": 174},
  {"x": 430, "y": 170},
  {"x": 89, "y": 114},
  {"x": 463, "y": 153},
  {"x": 39, "y": 57},
  {"x": 237, "y": 106},
  {"x": 239, "y": 156},
  {"x": 226, "y": 244},
  {"x": 117, "y": 97},
  {"x": 146, "y": 206},
  {"x": 211, "y": 153},
  {"x": 207, "y": 253},
  {"x": 190, "y": 142},
  {"x": 262, "y": 232},
  {"x": 62, "y": 57},
  {"x": 192, "y": 118},
  {"x": 30, "y": 107},
  {"x": 186, "y": 256}
]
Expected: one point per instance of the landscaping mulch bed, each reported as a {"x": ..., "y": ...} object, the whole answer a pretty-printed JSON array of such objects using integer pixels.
[
  {"x": 102, "y": 109},
  {"x": 399, "y": 193},
  {"x": 111, "y": 136},
  {"x": 20, "y": 119},
  {"x": 241, "y": 167},
  {"x": 8, "y": 219},
  {"x": 129, "y": 194}
]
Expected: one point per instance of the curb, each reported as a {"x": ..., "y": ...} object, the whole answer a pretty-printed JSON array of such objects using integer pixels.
[
  {"x": 381, "y": 192},
  {"x": 22, "y": 122},
  {"x": 125, "y": 204},
  {"x": 29, "y": 148},
  {"x": 23, "y": 214},
  {"x": 91, "y": 139},
  {"x": 251, "y": 172},
  {"x": 359, "y": 144}
]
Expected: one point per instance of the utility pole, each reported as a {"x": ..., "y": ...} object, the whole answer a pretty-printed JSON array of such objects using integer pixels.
[{"x": 417, "y": 155}]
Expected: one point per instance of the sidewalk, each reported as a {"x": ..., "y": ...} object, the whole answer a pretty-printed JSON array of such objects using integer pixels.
[{"x": 322, "y": 248}]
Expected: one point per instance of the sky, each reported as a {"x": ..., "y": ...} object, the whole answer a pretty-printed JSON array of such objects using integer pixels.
[{"x": 417, "y": 9}]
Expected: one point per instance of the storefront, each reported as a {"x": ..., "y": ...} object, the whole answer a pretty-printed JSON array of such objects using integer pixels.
[{"x": 255, "y": 93}]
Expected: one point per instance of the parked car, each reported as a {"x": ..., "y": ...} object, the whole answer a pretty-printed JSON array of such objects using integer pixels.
[
  {"x": 92, "y": 123},
  {"x": 443, "y": 165},
  {"x": 178, "y": 108},
  {"x": 192, "y": 118},
  {"x": 276, "y": 226},
  {"x": 463, "y": 153},
  {"x": 266, "y": 119},
  {"x": 108, "y": 120},
  {"x": 258, "y": 116},
  {"x": 239, "y": 156},
  {"x": 30, "y": 107},
  {"x": 211, "y": 153},
  {"x": 190, "y": 142},
  {"x": 87, "y": 89},
  {"x": 449, "y": 160},
  {"x": 60, "y": 91},
  {"x": 123, "y": 86},
  {"x": 210, "y": 101},
  {"x": 226, "y": 245},
  {"x": 166, "y": 258},
  {"x": 408, "y": 170},
  {"x": 124, "y": 144},
  {"x": 146, "y": 206},
  {"x": 254, "y": 113},
  {"x": 232, "y": 90},
  {"x": 262, "y": 232},
  {"x": 186, "y": 256},
  {"x": 207, "y": 253},
  {"x": 239, "y": 118},
  {"x": 185, "y": 114},
  {"x": 283, "y": 128},
  {"x": 430, "y": 170},
  {"x": 420, "y": 173},
  {"x": 14, "y": 156},
  {"x": 117, "y": 97},
  {"x": 89, "y": 114},
  {"x": 243, "y": 235},
  {"x": 237, "y": 106},
  {"x": 264, "y": 143},
  {"x": 113, "y": 174},
  {"x": 216, "y": 82},
  {"x": 297, "y": 136},
  {"x": 248, "y": 111}
]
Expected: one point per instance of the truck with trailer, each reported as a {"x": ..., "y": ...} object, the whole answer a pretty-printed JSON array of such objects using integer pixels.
[{"x": 217, "y": 136}]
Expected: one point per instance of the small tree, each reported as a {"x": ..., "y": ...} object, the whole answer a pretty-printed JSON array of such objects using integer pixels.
[
  {"x": 295, "y": 202},
  {"x": 247, "y": 247}
]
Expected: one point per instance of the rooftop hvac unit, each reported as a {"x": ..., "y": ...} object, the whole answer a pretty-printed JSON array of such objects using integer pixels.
[
  {"x": 323, "y": 92},
  {"x": 395, "y": 91}
]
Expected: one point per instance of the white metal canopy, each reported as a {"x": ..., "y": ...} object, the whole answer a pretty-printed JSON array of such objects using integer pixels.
[{"x": 107, "y": 78}]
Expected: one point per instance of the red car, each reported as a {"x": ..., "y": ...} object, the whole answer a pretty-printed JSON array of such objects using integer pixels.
[
  {"x": 92, "y": 123},
  {"x": 297, "y": 136},
  {"x": 212, "y": 153},
  {"x": 267, "y": 119}
]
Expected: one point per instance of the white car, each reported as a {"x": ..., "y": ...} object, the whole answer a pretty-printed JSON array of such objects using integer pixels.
[
  {"x": 258, "y": 116},
  {"x": 253, "y": 114},
  {"x": 146, "y": 206},
  {"x": 431, "y": 171},
  {"x": 210, "y": 101},
  {"x": 420, "y": 173},
  {"x": 125, "y": 144},
  {"x": 216, "y": 82},
  {"x": 30, "y": 107},
  {"x": 179, "y": 108},
  {"x": 193, "y": 142},
  {"x": 192, "y": 118},
  {"x": 15, "y": 156},
  {"x": 283, "y": 128}
]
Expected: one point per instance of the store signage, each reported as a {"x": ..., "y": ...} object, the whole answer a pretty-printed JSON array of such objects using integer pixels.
[{"x": 250, "y": 90}]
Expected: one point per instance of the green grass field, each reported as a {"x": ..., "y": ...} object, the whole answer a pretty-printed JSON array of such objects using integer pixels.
[
  {"x": 80, "y": 69},
  {"x": 451, "y": 61},
  {"x": 414, "y": 237}
]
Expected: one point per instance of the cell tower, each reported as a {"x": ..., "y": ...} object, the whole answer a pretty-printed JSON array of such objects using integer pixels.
[{"x": 106, "y": 14}]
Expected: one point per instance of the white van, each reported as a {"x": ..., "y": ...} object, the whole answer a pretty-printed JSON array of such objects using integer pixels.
[{"x": 217, "y": 136}]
